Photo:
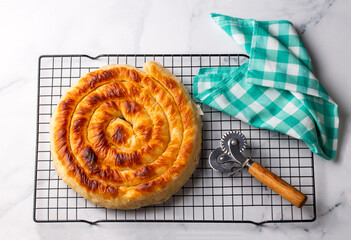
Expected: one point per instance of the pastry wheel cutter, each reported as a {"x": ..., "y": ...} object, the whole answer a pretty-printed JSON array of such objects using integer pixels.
[{"x": 229, "y": 159}]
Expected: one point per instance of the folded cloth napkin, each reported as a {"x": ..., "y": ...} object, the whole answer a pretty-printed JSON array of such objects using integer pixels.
[{"x": 276, "y": 88}]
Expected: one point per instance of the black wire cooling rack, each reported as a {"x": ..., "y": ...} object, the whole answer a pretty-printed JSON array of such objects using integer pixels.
[{"x": 208, "y": 196}]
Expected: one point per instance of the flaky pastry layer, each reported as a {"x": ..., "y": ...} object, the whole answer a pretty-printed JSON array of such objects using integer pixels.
[{"x": 123, "y": 138}]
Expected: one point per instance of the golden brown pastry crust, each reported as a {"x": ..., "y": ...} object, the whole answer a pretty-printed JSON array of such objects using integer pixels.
[{"x": 123, "y": 138}]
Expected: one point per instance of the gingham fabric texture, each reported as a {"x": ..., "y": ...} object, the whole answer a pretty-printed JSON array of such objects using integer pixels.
[{"x": 275, "y": 89}]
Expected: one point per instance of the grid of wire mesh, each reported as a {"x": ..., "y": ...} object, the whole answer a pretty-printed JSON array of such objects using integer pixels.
[{"x": 208, "y": 196}]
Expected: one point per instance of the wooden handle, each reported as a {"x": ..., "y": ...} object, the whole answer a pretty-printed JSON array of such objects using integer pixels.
[{"x": 277, "y": 185}]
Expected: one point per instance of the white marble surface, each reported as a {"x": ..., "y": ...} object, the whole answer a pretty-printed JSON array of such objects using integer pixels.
[{"x": 32, "y": 28}]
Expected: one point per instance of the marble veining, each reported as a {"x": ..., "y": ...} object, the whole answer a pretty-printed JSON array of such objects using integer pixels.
[
  {"x": 321, "y": 11},
  {"x": 9, "y": 85},
  {"x": 336, "y": 205},
  {"x": 34, "y": 28}
]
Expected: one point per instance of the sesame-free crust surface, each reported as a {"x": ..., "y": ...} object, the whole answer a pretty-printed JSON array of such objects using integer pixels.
[{"x": 124, "y": 138}]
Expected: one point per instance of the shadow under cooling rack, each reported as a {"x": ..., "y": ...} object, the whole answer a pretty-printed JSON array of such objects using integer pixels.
[{"x": 208, "y": 196}]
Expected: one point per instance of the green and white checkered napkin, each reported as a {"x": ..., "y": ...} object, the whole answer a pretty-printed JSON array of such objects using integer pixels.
[{"x": 276, "y": 89}]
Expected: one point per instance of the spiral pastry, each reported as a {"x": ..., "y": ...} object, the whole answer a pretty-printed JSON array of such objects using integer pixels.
[{"x": 123, "y": 138}]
